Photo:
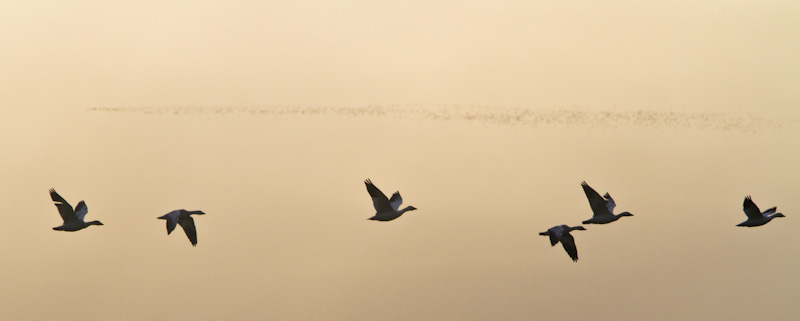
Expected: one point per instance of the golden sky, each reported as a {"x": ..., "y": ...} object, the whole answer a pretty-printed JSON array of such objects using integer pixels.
[{"x": 286, "y": 236}]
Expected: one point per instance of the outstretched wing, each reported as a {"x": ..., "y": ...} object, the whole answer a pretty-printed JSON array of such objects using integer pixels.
[
  {"x": 172, "y": 220},
  {"x": 769, "y": 211},
  {"x": 751, "y": 209},
  {"x": 81, "y": 210},
  {"x": 596, "y": 202},
  {"x": 379, "y": 201},
  {"x": 610, "y": 204},
  {"x": 554, "y": 239},
  {"x": 187, "y": 223},
  {"x": 569, "y": 245},
  {"x": 396, "y": 200},
  {"x": 555, "y": 233},
  {"x": 67, "y": 214}
]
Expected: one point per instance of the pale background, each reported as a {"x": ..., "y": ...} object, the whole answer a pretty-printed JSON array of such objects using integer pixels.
[{"x": 286, "y": 236}]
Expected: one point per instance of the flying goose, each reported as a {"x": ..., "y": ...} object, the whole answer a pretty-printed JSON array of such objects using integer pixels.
[
  {"x": 754, "y": 216},
  {"x": 183, "y": 218},
  {"x": 603, "y": 207},
  {"x": 385, "y": 209},
  {"x": 73, "y": 219},
  {"x": 560, "y": 233}
]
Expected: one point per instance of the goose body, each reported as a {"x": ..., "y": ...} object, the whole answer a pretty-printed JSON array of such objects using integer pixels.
[
  {"x": 754, "y": 216},
  {"x": 385, "y": 209},
  {"x": 73, "y": 218},
  {"x": 182, "y": 217},
  {"x": 560, "y": 233},
  {"x": 602, "y": 207}
]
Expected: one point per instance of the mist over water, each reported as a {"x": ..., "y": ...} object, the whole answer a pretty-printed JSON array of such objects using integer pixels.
[{"x": 643, "y": 119}]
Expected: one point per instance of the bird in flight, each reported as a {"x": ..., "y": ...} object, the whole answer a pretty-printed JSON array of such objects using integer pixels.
[
  {"x": 183, "y": 218},
  {"x": 754, "y": 216},
  {"x": 73, "y": 219},
  {"x": 560, "y": 233},
  {"x": 385, "y": 209},
  {"x": 603, "y": 207}
]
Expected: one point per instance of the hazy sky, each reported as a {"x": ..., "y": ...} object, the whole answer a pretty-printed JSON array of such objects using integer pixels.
[
  {"x": 286, "y": 236},
  {"x": 630, "y": 54}
]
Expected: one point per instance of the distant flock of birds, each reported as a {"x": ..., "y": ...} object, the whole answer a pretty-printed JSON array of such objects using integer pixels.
[{"x": 387, "y": 209}]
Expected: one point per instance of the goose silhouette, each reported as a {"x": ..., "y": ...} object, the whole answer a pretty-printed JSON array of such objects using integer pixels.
[
  {"x": 385, "y": 209},
  {"x": 73, "y": 219},
  {"x": 560, "y": 233},
  {"x": 603, "y": 207},
  {"x": 754, "y": 216},
  {"x": 183, "y": 218}
]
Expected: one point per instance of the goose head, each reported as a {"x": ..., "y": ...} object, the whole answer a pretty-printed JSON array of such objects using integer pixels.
[
  {"x": 579, "y": 228},
  {"x": 779, "y": 215},
  {"x": 624, "y": 214},
  {"x": 94, "y": 223},
  {"x": 409, "y": 208}
]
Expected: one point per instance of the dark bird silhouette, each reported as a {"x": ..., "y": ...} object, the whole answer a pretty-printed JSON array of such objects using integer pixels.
[
  {"x": 754, "y": 216},
  {"x": 560, "y": 233},
  {"x": 183, "y": 218},
  {"x": 603, "y": 207},
  {"x": 73, "y": 219},
  {"x": 385, "y": 209}
]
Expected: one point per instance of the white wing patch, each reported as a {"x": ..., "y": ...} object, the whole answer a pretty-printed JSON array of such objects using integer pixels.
[
  {"x": 396, "y": 200},
  {"x": 610, "y": 204},
  {"x": 81, "y": 210}
]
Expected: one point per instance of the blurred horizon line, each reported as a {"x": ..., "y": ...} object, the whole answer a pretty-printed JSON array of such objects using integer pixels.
[{"x": 493, "y": 115}]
